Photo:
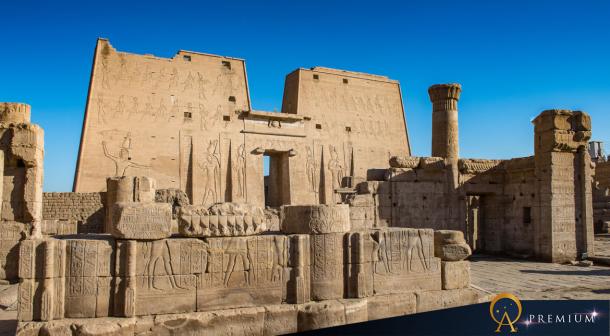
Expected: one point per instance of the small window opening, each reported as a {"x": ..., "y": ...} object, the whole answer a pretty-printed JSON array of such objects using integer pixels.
[
  {"x": 344, "y": 80},
  {"x": 226, "y": 64},
  {"x": 226, "y": 118},
  {"x": 527, "y": 215},
  {"x": 188, "y": 115},
  {"x": 316, "y": 77},
  {"x": 318, "y": 126},
  {"x": 187, "y": 58},
  {"x": 347, "y": 128},
  {"x": 232, "y": 99}
]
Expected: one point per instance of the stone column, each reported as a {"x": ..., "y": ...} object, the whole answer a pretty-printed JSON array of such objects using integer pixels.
[
  {"x": 444, "y": 99},
  {"x": 563, "y": 223}
]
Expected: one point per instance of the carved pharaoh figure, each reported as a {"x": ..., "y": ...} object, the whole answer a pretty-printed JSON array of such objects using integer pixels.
[
  {"x": 122, "y": 161},
  {"x": 211, "y": 173}
]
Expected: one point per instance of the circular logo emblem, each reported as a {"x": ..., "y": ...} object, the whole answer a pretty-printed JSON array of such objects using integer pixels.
[{"x": 505, "y": 309}]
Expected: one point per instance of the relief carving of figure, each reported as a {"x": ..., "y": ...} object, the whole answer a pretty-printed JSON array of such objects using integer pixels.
[
  {"x": 122, "y": 161},
  {"x": 173, "y": 78},
  {"x": 105, "y": 73},
  {"x": 335, "y": 167},
  {"x": 188, "y": 82},
  {"x": 158, "y": 252},
  {"x": 312, "y": 170},
  {"x": 201, "y": 85},
  {"x": 119, "y": 109},
  {"x": 237, "y": 251},
  {"x": 240, "y": 170},
  {"x": 211, "y": 173},
  {"x": 380, "y": 253},
  {"x": 101, "y": 110},
  {"x": 415, "y": 242}
]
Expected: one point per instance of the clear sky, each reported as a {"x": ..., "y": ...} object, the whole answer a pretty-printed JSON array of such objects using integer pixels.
[{"x": 513, "y": 58}]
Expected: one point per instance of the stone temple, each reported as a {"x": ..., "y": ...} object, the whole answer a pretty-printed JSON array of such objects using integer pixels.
[{"x": 173, "y": 227}]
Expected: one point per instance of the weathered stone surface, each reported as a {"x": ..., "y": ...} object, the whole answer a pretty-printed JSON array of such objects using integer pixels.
[
  {"x": 316, "y": 315},
  {"x": 133, "y": 220},
  {"x": 327, "y": 267},
  {"x": 221, "y": 220},
  {"x": 176, "y": 197},
  {"x": 315, "y": 219},
  {"x": 384, "y": 306},
  {"x": 11, "y": 233},
  {"x": 435, "y": 300},
  {"x": 455, "y": 274},
  {"x": 280, "y": 319},
  {"x": 86, "y": 210},
  {"x": 404, "y": 161},
  {"x": 449, "y": 245}
]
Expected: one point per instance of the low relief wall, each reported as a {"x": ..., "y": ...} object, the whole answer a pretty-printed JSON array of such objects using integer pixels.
[{"x": 96, "y": 276}]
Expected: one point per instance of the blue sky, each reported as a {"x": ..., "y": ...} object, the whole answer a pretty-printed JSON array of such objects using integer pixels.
[{"x": 513, "y": 58}]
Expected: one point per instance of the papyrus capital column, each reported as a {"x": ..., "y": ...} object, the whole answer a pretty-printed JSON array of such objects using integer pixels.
[{"x": 444, "y": 99}]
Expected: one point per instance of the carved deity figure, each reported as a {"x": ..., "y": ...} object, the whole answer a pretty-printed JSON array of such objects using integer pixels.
[
  {"x": 158, "y": 252},
  {"x": 173, "y": 78},
  {"x": 413, "y": 244},
  {"x": 105, "y": 73},
  {"x": 201, "y": 85},
  {"x": 101, "y": 110},
  {"x": 211, "y": 173},
  {"x": 312, "y": 171},
  {"x": 237, "y": 251},
  {"x": 335, "y": 167},
  {"x": 188, "y": 82},
  {"x": 122, "y": 161},
  {"x": 240, "y": 170},
  {"x": 380, "y": 254},
  {"x": 119, "y": 109}
]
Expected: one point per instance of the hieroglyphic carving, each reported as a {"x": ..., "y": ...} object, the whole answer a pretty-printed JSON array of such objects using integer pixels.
[
  {"x": 11, "y": 233},
  {"x": 211, "y": 173},
  {"x": 122, "y": 160},
  {"x": 396, "y": 250},
  {"x": 400, "y": 255},
  {"x": 89, "y": 266},
  {"x": 134, "y": 220},
  {"x": 326, "y": 266}
]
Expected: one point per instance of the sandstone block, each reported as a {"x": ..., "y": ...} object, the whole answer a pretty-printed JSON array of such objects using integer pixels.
[
  {"x": 450, "y": 245},
  {"x": 455, "y": 274},
  {"x": 315, "y": 219},
  {"x": 280, "y": 319},
  {"x": 14, "y": 113},
  {"x": 384, "y": 306},
  {"x": 356, "y": 310},
  {"x": 316, "y": 315},
  {"x": 244, "y": 321},
  {"x": 435, "y": 300},
  {"x": 452, "y": 252},
  {"x": 327, "y": 269},
  {"x": 133, "y": 220}
]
